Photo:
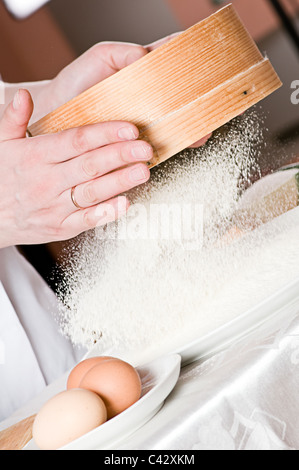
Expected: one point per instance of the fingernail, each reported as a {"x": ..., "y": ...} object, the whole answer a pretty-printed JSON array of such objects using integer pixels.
[
  {"x": 138, "y": 174},
  {"x": 141, "y": 152},
  {"x": 127, "y": 133},
  {"x": 16, "y": 101}
]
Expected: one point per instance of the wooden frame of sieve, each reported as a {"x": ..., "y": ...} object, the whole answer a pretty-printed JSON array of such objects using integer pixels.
[{"x": 180, "y": 92}]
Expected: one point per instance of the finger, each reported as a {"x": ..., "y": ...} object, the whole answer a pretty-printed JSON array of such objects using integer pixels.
[
  {"x": 201, "y": 142},
  {"x": 154, "y": 45},
  {"x": 118, "y": 55},
  {"x": 102, "y": 161},
  {"x": 96, "y": 216},
  {"x": 16, "y": 117},
  {"x": 107, "y": 187},
  {"x": 71, "y": 143}
]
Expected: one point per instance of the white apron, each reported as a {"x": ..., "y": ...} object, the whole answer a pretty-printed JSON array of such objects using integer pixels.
[{"x": 33, "y": 353}]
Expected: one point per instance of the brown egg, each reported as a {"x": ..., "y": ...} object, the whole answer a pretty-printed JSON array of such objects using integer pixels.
[
  {"x": 116, "y": 382},
  {"x": 81, "y": 369}
]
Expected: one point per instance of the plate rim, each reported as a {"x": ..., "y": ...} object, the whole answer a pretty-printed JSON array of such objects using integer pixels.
[{"x": 237, "y": 324}]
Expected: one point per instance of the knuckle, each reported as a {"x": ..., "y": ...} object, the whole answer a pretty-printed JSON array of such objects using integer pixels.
[
  {"x": 88, "y": 168},
  {"x": 79, "y": 140},
  {"x": 120, "y": 154},
  {"x": 89, "y": 194},
  {"x": 109, "y": 130},
  {"x": 122, "y": 181},
  {"x": 88, "y": 219},
  {"x": 129, "y": 151}
]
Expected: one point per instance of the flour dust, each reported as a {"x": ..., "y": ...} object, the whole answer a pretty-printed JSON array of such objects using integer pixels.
[{"x": 132, "y": 285}]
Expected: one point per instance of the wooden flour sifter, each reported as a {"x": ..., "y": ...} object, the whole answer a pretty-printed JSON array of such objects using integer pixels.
[{"x": 180, "y": 92}]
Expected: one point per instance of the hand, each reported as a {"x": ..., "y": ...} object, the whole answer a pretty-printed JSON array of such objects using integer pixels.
[
  {"x": 99, "y": 62},
  {"x": 37, "y": 175}
]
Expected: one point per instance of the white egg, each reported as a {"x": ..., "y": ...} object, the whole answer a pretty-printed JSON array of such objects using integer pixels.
[{"x": 66, "y": 417}]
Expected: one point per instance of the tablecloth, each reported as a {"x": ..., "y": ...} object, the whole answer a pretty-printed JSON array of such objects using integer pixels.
[{"x": 243, "y": 398}]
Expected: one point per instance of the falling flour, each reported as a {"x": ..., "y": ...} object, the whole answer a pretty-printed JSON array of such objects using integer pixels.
[{"x": 141, "y": 291}]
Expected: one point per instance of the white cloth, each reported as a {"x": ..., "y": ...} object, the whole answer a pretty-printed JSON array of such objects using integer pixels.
[
  {"x": 243, "y": 398},
  {"x": 33, "y": 353}
]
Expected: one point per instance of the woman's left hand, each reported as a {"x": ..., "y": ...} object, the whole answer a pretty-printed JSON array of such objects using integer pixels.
[{"x": 99, "y": 62}]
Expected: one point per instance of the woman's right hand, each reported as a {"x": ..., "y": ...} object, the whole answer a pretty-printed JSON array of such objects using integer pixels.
[{"x": 100, "y": 161}]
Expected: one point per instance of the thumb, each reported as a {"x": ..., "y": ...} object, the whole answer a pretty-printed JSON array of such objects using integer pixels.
[{"x": 16, "y": 117}]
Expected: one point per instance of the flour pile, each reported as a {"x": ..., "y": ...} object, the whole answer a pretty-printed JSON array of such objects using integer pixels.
[{"x": 128, "y": 289}]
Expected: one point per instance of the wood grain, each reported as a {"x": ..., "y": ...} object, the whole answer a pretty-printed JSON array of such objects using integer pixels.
[
  {"x": 18, "y": 435},
  {"x": 180, "y": 92}
]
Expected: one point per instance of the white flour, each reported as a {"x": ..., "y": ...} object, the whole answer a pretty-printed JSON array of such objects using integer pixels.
[{"x": 143, "y": 293}]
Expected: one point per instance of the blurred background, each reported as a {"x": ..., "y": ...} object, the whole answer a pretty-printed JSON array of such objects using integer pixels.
[{"x": 38, "y": 47}]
